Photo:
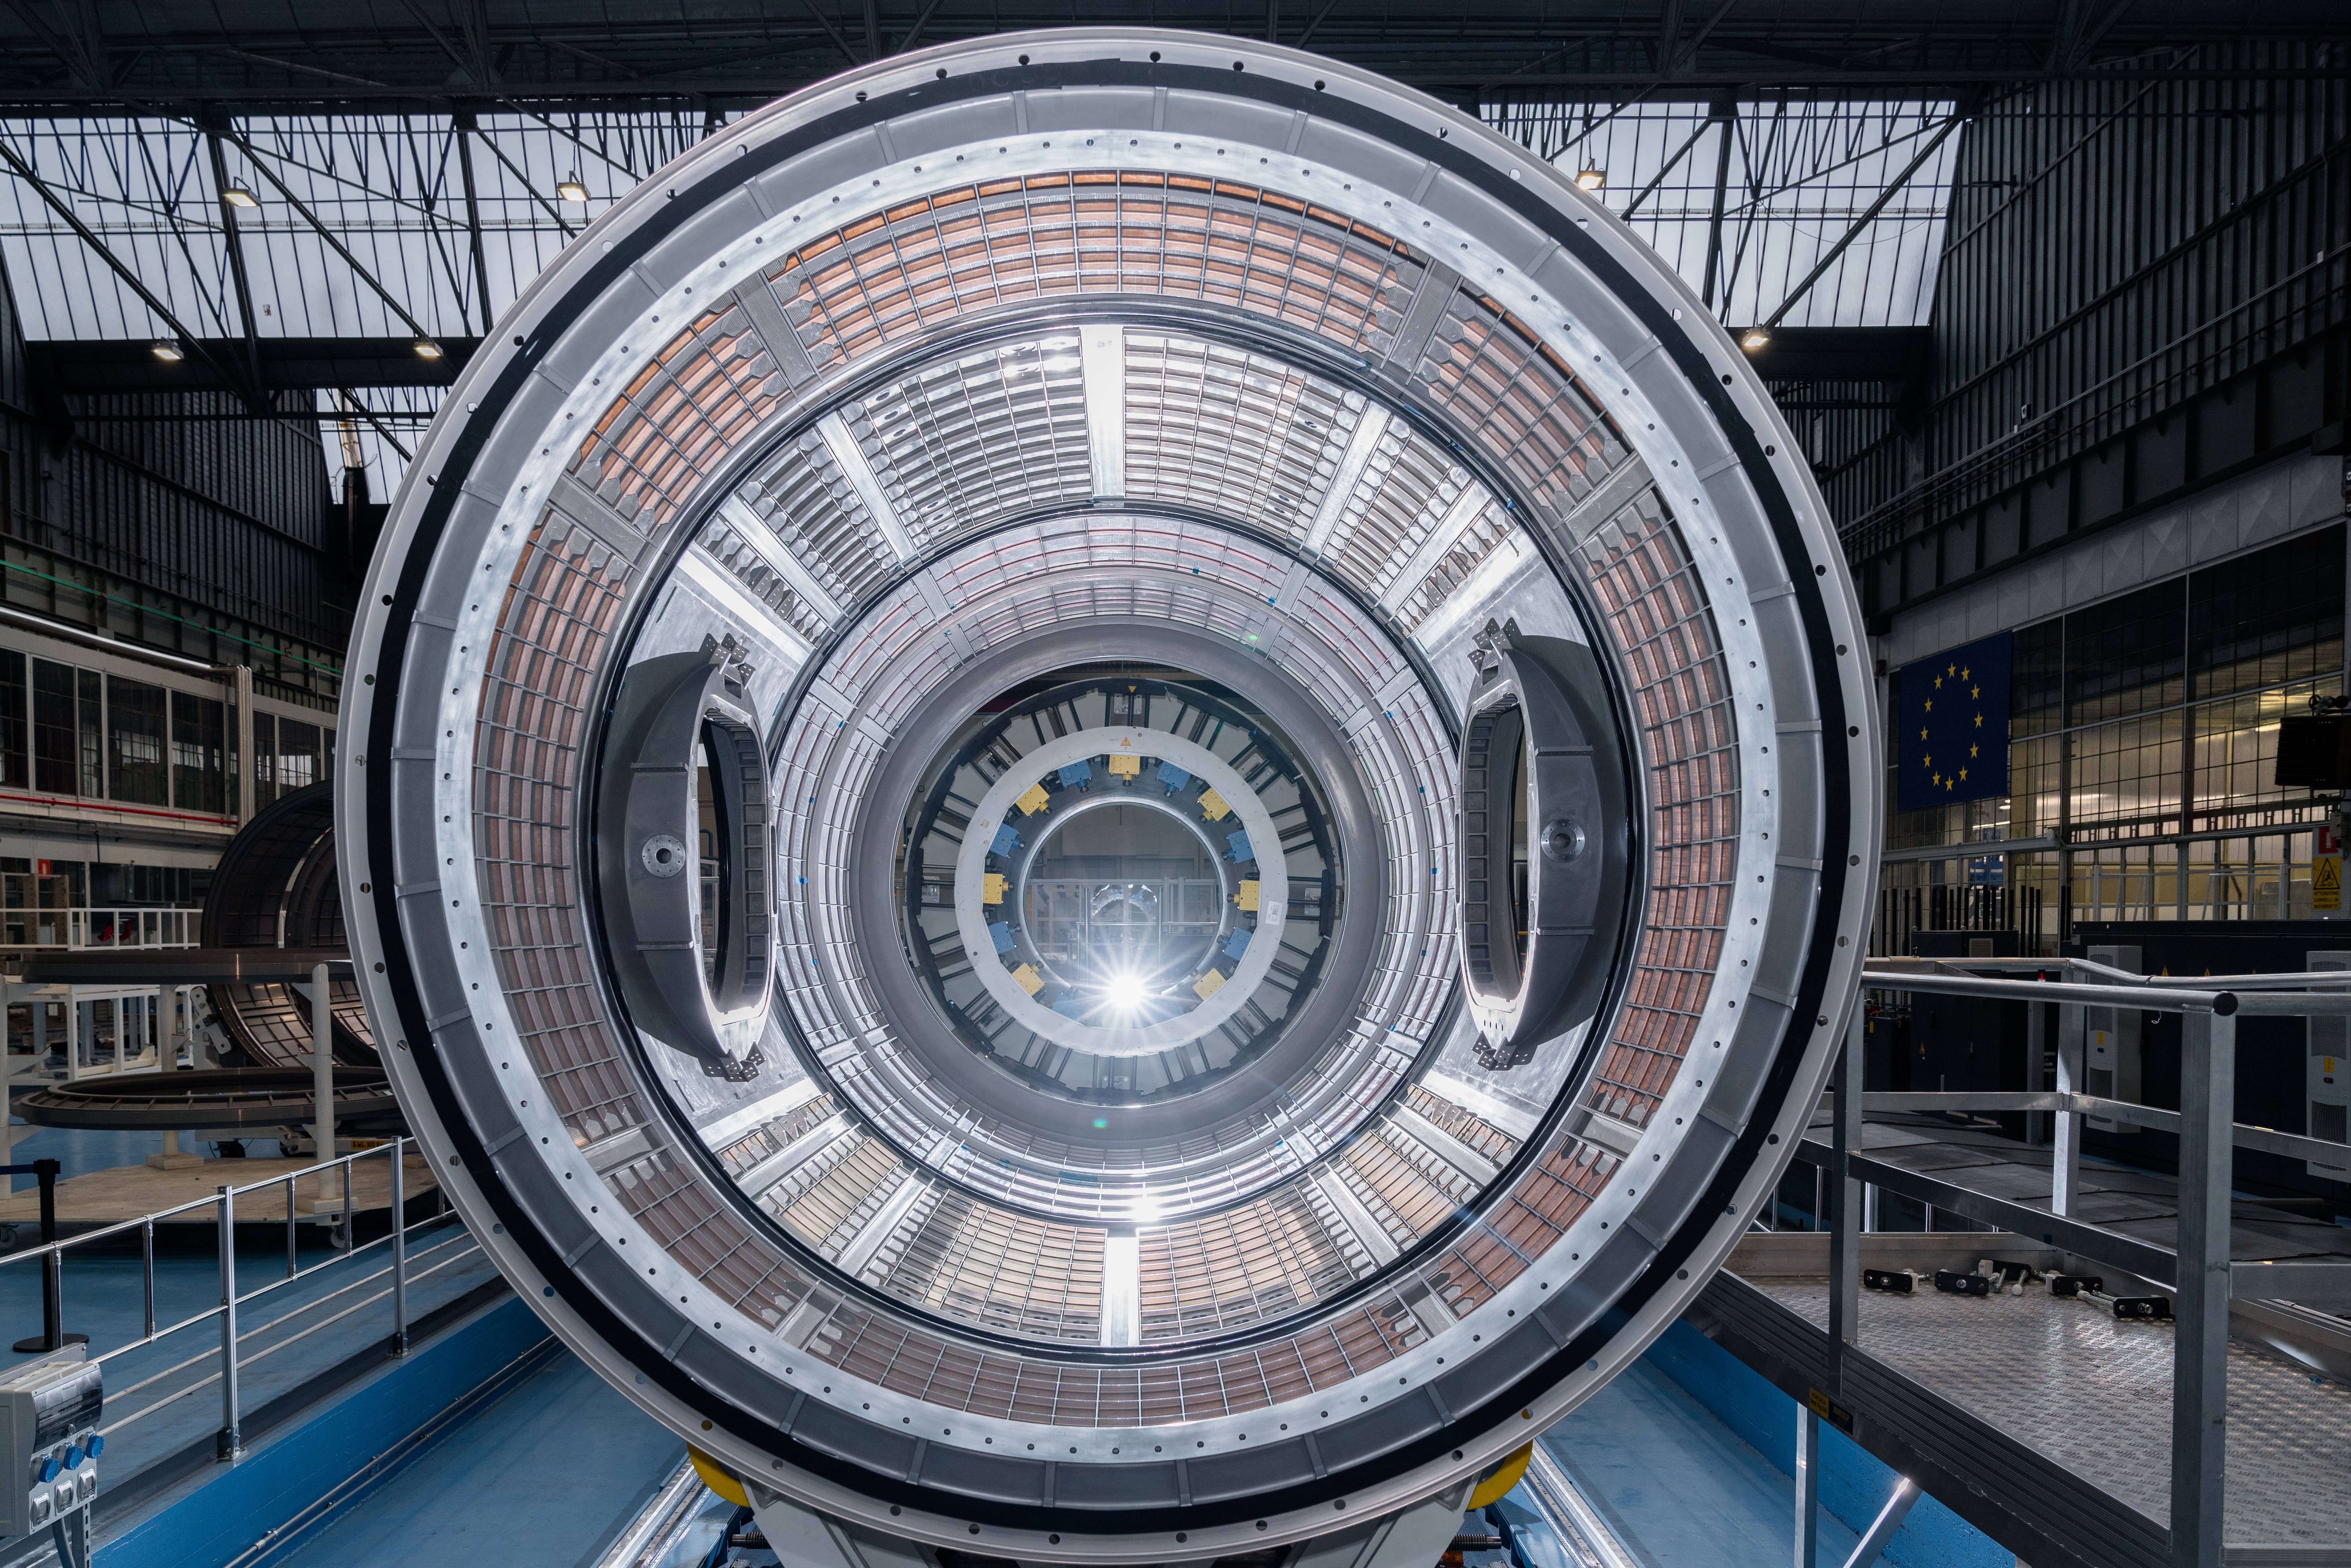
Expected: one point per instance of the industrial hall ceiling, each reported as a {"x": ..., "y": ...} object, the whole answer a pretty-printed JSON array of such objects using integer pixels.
[{"x": 73, "y": 56}]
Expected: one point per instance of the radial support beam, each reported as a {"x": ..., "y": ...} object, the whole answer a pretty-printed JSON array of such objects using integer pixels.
[
  {"x": 718, "y": 585},
  {"x": 1359, "y": 446},
  {"x": 736, "y": 514},
  {"x": 850, "y": 458},
  {"x": 1102, "y": 353},
  {"x": 1445, "y": 1145},
  {"x": 1121, "y": 1287},
  {"x": 860, "y": 1248},
  {"x": 1439, "y": 543},
  {"x": 757, "y": 1181},
  {"x": 1355, "y": 1216}
]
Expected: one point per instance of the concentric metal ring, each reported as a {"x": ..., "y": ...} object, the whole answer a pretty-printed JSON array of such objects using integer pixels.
[{"x": 1380, "y": 381}]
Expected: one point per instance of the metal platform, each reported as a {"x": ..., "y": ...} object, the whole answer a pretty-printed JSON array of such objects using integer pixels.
[{"x": 2093, "y": 1395}]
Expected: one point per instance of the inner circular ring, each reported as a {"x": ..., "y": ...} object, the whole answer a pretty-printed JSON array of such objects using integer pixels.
[
  {"x": 1126, "y": 978},
  {"x": 997, "y": 811}
]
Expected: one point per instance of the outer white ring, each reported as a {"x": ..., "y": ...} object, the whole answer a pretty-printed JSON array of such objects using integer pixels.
[
  {"x": 971, "y": 860},
  {"x": 1641, "y": 373}
]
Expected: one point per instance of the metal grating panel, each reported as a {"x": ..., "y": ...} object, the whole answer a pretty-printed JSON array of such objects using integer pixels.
[
  {"x": 1641, "y": 571},
  {"x": 984, "y": 1265},
  {"x": 963, "y": 442},
  {"x": 1234, "y": 431},
  {"x": 936, "y": 259},
  {"x": 1244, "y": 1264},
  {"x": 707, "y": 388}
]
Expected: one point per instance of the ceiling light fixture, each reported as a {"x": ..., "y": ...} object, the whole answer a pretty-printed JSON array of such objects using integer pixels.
[
  {"x": 1125, "y": 991},
  {"x": 1593, "y": 178},
  {"x": 238, "y": 196},
  {"x": 426, "y": 349},
  {"x": 571, "y": 190},
  {"x": 168, "y": 350},
  {"x": 1753, "y": 339}
]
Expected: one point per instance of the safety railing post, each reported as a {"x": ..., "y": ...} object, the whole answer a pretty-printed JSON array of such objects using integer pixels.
[
  {"x": 1845, "y": 1201},
  {"x": 399, "y": 1147},
  {"x": 229, "y": 1442},
  {"x": 1808, "y": 1487},
  {"x": 2200, "y": 1369},
  {"x": 147, "y": 1271},
  {"x": 2066, "y": 1153},
  {"x": 2036, "y": 1050}
]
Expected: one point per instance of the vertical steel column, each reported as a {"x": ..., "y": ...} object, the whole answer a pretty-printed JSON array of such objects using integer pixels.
[
  {"x": 2036, "y": 1051},
  {"x": 2199, "y": 1365},
  {"x": 2066, "y": 1168},
  {"x": 1808, "y": 1487},
  {"x": 228, "y": 1443},
  {"x": 399, "y": 1249},
  {"x": 322, "y": 1069},
  {"x": 246, "y": 772},
  {"x": 1845, "y": 1201}
]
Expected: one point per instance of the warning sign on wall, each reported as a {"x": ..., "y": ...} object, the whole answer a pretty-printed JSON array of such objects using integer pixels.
[{"x": 2326, "y": 882}]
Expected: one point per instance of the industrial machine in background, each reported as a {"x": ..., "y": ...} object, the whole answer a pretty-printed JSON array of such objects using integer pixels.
[
  {"x": 1262, "y": 841},
  {"x": 273, "y": 913}
]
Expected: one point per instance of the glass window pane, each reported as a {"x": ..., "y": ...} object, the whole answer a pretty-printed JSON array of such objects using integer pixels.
[
  {"x": 2273, "y": 616},
  {"x": 135, "y": 722},
  {"x": 2126, "y": 655},
  {"x": 16, "y": 711},
  {"x": 264, "y": 759},
  {"x": 199, "y": 753},
  {"x": 57, "y": 767},
  {"x": 298, "y": 755}
]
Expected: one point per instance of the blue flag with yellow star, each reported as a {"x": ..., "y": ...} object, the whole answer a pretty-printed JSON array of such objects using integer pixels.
[{"x": 1952, "y": 735}]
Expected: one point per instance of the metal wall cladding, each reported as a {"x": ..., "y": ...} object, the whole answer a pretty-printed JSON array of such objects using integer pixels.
[
  {"x": 1847, "y": 430},
  {"x": 225, "y": 512},
  {"x": 2115, "y": 247}
]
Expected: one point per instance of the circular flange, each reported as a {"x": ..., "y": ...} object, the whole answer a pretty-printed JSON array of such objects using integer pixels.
[
  {"x": 995, "y": 815},
  {"x": 1433, "y": 387}
]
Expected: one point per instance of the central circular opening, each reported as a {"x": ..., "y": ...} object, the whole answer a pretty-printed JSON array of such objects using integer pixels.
[
  {"x": 1123, "y": 900},
  {"x": 1117, "y": 887}
]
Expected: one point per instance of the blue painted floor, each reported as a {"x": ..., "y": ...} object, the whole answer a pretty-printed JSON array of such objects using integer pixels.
[
  {"x": 161, "y": 1396},
  {"x": 545, "y": 1475},
  {"x": 1681, "y": 1488}
]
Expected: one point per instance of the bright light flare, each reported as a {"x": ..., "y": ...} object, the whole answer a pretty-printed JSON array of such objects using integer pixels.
[{"x": 1125, "y": 992}]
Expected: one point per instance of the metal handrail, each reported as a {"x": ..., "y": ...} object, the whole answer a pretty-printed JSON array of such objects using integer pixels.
[
  {"x": 228, "y": 1357},
  {"x": 2257, "y": 994}
]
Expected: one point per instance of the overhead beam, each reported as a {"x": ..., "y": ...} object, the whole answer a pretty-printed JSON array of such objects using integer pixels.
[
  {"x": 391, "y": 301},
  {"x": 286, "y": 364},
  {"x": 189, "y": 342},
  {"x": 1894, "y": 188}
]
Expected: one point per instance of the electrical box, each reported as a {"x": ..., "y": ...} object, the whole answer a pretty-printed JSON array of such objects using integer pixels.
[
  {"x": 2327, "y": 1095},
  {"x": 49, "y": 1441},
  {"x": 2110, "y": 1048}
]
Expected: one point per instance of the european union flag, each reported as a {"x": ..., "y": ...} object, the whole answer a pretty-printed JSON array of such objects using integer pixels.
[{"x": 1952, "y": 735}]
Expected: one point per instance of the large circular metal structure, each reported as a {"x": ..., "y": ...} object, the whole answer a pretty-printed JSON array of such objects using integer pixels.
[{"x": 1281, "y": 769}]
